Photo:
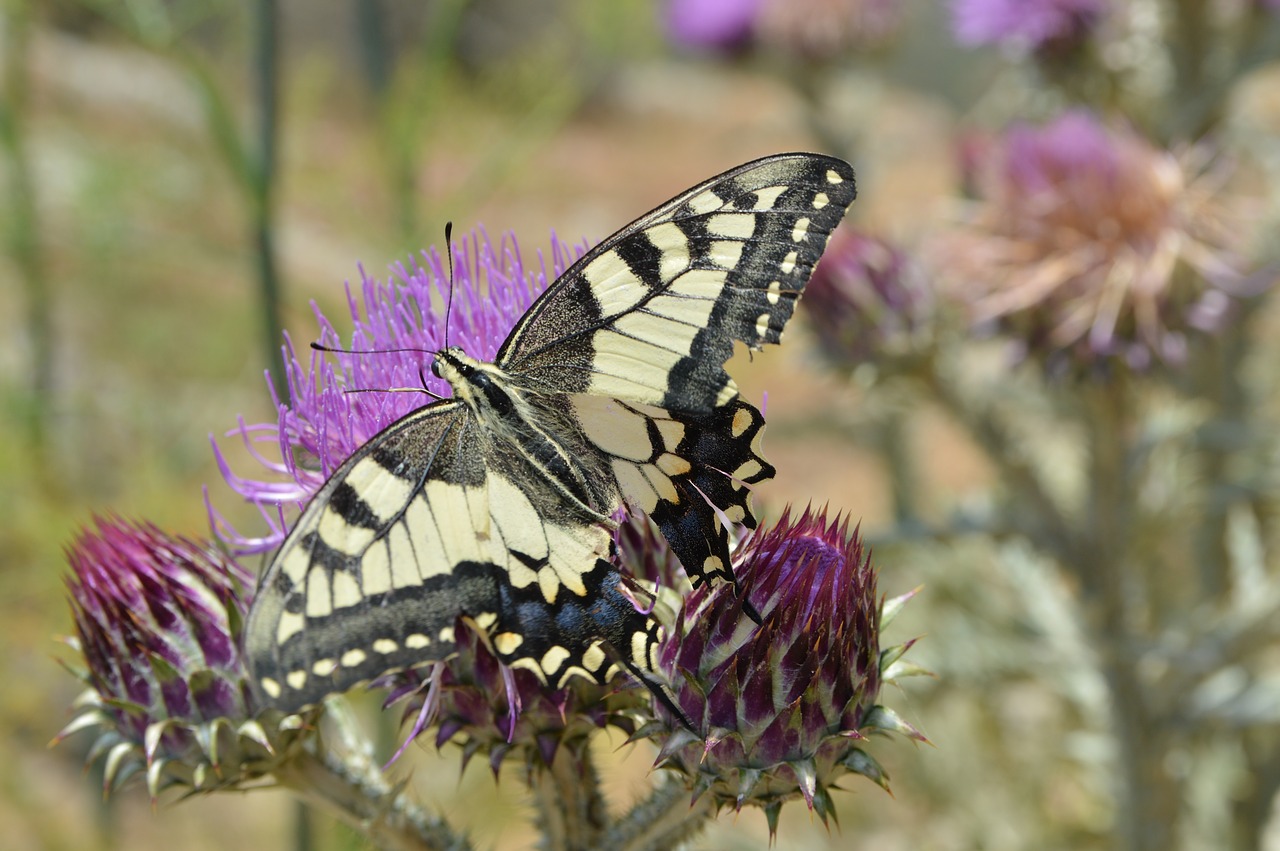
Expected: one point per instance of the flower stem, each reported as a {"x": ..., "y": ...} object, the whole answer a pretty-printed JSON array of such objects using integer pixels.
[
  {"x": 664, "y": 820},
  {"x": 571, "y": 809},
  {"x": 354, "y": 790},
  {"x": 1022, "y": 480}
]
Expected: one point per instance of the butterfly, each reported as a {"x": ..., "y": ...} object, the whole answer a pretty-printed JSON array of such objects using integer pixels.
[{"x": 496, "y": 505}]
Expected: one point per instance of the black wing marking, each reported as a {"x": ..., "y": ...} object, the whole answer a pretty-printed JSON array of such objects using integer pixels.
[{"x": 651, "y": 314}]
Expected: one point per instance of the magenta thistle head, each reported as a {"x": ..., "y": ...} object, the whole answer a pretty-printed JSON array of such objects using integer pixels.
[
  {"x": 158, "y": 620},
  {"x": 780, "y": 708}
]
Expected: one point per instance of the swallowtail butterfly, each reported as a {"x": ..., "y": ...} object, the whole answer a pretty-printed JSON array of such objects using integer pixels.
[{"x": 495, "y": 505}]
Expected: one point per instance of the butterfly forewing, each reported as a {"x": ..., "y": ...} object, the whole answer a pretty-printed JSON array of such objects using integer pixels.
[
  {"x": 651, "y": 314},
  {"x": 493, "y": 508}
]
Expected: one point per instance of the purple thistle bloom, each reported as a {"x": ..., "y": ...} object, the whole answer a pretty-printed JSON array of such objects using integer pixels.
[
  {"x": 1029, "y": 24},
  {"x": 781, "y": 707},
  {"x": 397, "y": 325},
  {"x": 150, "y": 611},
  {"x": 485, "y": 707}
]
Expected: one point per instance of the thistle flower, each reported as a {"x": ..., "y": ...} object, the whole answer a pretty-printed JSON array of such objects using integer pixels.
[
  {"x": 1091, "y": 244},
  {"x": 810, "y": 29},
  {"x": 1032, "y": 25},
  {"x": 157, "y": 620},
  {"x": 865, "y": 300},
  {"x": 396, "y": 326},
  {"x": 781, "y": 709}
]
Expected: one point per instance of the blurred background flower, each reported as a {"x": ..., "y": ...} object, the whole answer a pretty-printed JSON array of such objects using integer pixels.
[
  {"x": 867, "y": 301},
  {"x": 1035, "y": 25},
  {"x": 809, "y": 29},
  {"x": 1089, "y": 241}
]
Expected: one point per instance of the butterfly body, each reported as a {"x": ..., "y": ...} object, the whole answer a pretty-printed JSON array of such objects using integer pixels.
[{"x": 495, "y": 506}]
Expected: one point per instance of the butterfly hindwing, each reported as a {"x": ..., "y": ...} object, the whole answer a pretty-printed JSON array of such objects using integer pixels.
[
  {"x": 684, "y": 470},
  {"x": 651, "y": 315}
]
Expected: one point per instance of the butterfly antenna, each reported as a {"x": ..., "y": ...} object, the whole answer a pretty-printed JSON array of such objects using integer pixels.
[{"x": 448, "y": 305}]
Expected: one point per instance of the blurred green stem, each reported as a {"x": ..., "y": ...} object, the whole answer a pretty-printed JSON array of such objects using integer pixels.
[
  {"x": 1147, "y": 804},
  {"x": 894, "y": 439},
  {"x": 571, "y": 810},
  {"x": 1218, "y": 378},
  {"x": 1021, "y": 480},
  {"x": 408, "y": 95},
  {"x": 1197, "y": 111},
  {"x": 666, "y": 819},
  {"x": 354, "y": 790},
  {"x": 24, "y": 229},
  {"x": 263, "y": 171}
]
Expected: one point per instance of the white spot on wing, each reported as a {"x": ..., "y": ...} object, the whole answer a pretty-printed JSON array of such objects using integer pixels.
[
  {"x": 346, "y": 592},
  {"x": 768, "y": 197},
  {"x": 635, "y": 486},
  {"x": 613, "y": 284},
  {"x": 507, "y": 643},
  {"x": 375, "y": 570},
  {"x": 726, "y": 253},
  {"x": 593, "y": 657},
  {"x": 340, "y": 535},
  {"x": 404, "y": 558},
  {"x": 672, "y": 432},
  {"x": 800, "y": 231},
  {"x": 384, "y": 492},
  {"x": 657, "y": 331}
]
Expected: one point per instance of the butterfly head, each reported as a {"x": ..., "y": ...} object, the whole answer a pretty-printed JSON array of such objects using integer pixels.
[{"x": 482, "y": 386}]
